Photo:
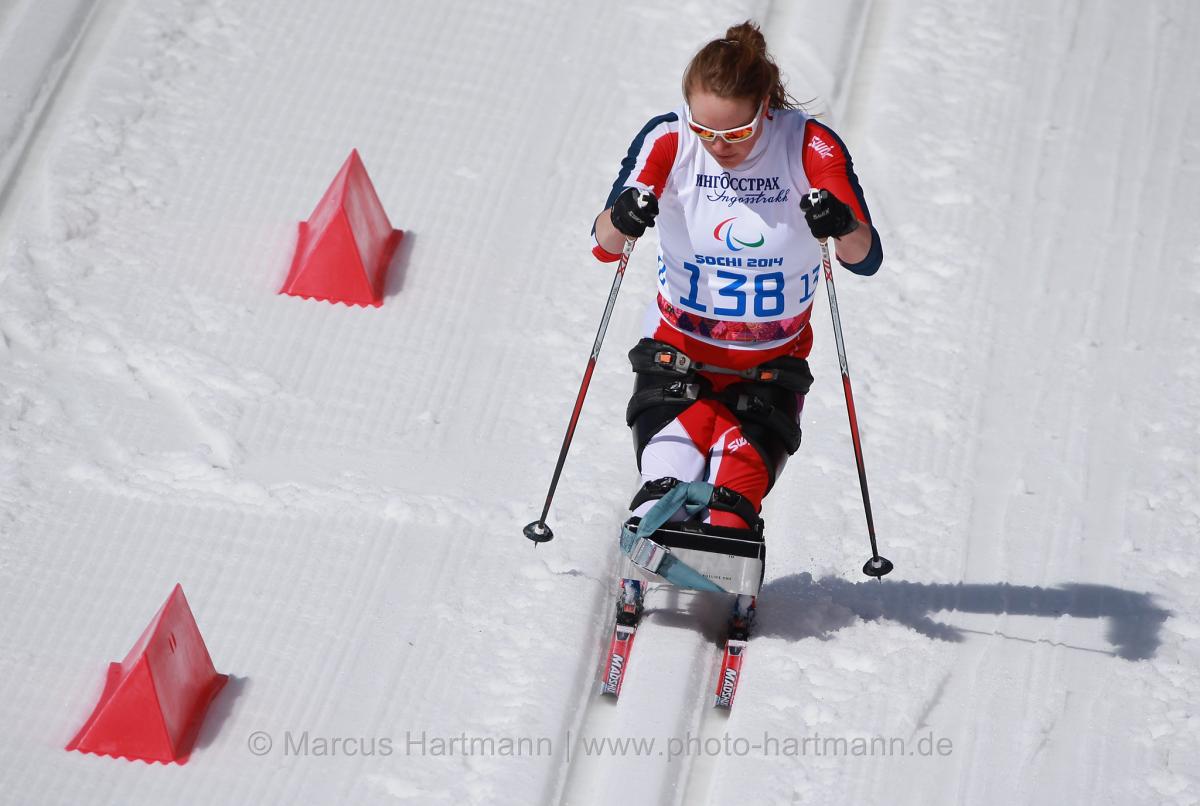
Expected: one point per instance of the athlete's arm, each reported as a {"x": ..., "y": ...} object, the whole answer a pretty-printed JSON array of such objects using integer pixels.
[
  {"x": 827, "y": 165},
  {"x": 607, "y": 236},
  {"x": 855, "y": 246},
  {"x": 646, "y": 167}
]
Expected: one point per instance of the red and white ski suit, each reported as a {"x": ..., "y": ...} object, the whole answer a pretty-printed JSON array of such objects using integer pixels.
[{"x": 738, "y": 270}]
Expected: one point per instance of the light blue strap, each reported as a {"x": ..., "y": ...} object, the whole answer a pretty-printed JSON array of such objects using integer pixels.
[{"x": 691, "y": 497}]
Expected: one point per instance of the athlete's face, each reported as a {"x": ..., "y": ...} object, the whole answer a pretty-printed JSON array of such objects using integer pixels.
[{"x": 713, "y": 112}]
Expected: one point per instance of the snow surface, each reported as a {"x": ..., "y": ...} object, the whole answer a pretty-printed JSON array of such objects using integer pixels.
[{"x": 341, "y": 490}]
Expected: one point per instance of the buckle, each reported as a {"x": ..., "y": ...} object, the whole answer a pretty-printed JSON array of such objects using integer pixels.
[
  {"x": 754, "y": 404},
  {"x": 759, "y": 374},
  {"x": 673, "y": 360},
  {"x": 661, "y": 486},
  {"x": 648, "y": 555},
  {"x": 726, "y": 496},
  {"x": 683, "y": 391}
]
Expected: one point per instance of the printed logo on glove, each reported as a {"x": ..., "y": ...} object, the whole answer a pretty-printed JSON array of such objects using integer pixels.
[
  {"x": 827, "y": 215},
  {"x": 633, "y": 211}
]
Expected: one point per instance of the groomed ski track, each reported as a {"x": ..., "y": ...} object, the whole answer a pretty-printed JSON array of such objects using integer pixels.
[{"x": 341, "y": 490}]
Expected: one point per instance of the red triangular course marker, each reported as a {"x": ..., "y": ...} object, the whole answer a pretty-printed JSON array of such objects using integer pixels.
[
  {"x": 345, "y": 247},
  {"x": 154, "y": 700}
]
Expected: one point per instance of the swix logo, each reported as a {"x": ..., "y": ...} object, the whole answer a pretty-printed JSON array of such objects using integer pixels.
[
  {"x": 821, "y": 147},
  {"x": 728, "y": 684},
  {"x": 737, "y": 443},
  {"x": 727, "y": 237},
  {"x": 615, "y": 664}
]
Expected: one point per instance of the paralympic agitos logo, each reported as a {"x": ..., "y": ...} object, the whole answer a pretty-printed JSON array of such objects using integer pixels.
[{"x": 735, "y": 244}]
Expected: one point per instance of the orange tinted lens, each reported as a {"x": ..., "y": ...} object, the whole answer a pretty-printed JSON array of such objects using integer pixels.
[
  {"x": 701, "y": 132},
  {"x": 739, "y": 135}
]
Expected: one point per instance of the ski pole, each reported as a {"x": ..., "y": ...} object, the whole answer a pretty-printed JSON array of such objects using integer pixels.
[
  {"x": 538, "y": 531},
  {"x": 876, "y": 566}
]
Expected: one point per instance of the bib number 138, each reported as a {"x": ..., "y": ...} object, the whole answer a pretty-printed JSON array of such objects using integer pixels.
[{"x": 767, "y": 292}]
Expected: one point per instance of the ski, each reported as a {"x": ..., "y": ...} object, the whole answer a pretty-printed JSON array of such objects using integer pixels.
[
  {"x": 612, "y": 675},
  {"x": 731, "y": 672},
  {"x": 616, "y": 660},
  {"x": 738, "y": 636}
]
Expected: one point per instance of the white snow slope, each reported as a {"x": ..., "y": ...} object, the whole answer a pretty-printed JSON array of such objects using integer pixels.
[{"x": 341, "y": 490}]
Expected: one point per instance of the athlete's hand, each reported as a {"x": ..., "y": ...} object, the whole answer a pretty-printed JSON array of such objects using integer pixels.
[
  {"x": 633, "y": 211},
  {"x": 827, "y": 215}
]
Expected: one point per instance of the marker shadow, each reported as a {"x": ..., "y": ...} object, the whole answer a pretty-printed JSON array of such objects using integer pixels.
[
  {"x": 220, "y": 711},
  {"x": 398, "y": 265}
]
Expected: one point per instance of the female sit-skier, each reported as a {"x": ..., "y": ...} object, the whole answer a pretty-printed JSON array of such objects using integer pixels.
[{"x": 726, "y": 178}]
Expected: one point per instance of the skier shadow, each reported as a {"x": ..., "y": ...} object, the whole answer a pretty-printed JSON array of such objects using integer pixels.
[{"x": 803, "y": 608}]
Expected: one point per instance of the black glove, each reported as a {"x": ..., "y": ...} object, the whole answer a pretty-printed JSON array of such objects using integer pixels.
[
  {"x": 827, "y": 215},
  {"x": 633, "y": 211}
]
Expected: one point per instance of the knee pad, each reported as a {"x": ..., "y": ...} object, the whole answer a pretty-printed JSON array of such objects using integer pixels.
[
  {"x": 767, "y": 414},
  {"x": 656, "y": 401}
]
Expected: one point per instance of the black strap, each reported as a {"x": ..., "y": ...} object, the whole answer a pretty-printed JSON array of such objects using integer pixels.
[
  {"x": 668, "y": 377},
  {"x": 723, "y": 499},
  {"x": 650, "y": 356},
  {"x": 746, "y": 402},
  {"x": 675, "y": 393},
  {"x": 706, "y": 537}
]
